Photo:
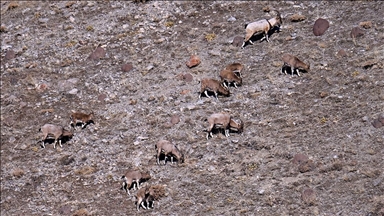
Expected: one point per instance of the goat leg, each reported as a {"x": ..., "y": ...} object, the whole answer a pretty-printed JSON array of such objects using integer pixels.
[
  {"x": 142, "y": 205},
  {"x": 266, "y": 37},
  {"x": 206, "y": 94},
  {"x": 158, "y": 156},
  {"x": 139, "y": 202},
  {"x": 242, "y": 46},
  {"x": 124, "y": 188},
  {"x": 226, "y": 131},
  {"x": 297, "y": 71}
]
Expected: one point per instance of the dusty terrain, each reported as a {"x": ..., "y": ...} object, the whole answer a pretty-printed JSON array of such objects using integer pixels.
[{"x": 326, "y": 115}]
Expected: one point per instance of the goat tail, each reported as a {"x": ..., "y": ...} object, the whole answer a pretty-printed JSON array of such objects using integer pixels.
[
  {"x": 245, "y": 26},
  {"x": 39, "y": 129}
]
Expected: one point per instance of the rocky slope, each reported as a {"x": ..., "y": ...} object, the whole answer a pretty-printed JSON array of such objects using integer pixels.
[{"x": 308, "y": 147}]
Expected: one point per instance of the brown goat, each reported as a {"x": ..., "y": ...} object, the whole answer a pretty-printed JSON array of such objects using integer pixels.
[
  {"x": 223, "y": 121},
  {"x": 168, "y": 149},
  {"x": 141, "y": 197},
  {"x": 261, "y": 27},
  {"x": 82, "y": 118},
  {"x": 148, "y": 195},
  {"x": 228, "y": 76},
  {"x": 134, "y": 176},
  {"x": 214, "y": 86},
  {"x": 236, "y": 68},
  {"x": 58, "y": 133},
  {"x": 294, "y": 63}
]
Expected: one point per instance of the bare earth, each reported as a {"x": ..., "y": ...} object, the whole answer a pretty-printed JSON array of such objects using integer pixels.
[{"x": 326, "y": 115}]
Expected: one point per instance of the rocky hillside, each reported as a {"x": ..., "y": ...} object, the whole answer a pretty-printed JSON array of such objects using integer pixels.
[{"x": 312, "y": 145}]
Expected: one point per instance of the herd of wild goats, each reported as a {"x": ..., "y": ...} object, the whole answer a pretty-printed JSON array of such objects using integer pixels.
[{"x": 230, "y": 76}]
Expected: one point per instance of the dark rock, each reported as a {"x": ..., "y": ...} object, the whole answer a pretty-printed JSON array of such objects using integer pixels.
[
  {"x": 175, "y": 119},
  {"x": 66, "y": 160},
  {"x": 238, "y": 41},
  {"x": 356, "y": 32},
  {"x": 381, "y": 119},
  {"x": 309, "y": 196},
  {"x": 65, "y": 210},
  {"x": 101, "y": 97},
  {"x": 98, "y": 54},
  {"x": 127, "y": 67},
  {"x": 307, "y": 166},
  {"x": 10, "y": 54},
  {"x": 320, "y": 26},
  {"x": 187, "y": 77},
  {"x": 341, "y": 53},
  {"x": 377, "y": 124},
  {"x": 193, "y": 61},
  {"x": 299, "y": 158}
]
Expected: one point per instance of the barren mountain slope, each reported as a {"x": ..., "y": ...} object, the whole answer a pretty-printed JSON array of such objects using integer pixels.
[{"x": 326, "y": 114}]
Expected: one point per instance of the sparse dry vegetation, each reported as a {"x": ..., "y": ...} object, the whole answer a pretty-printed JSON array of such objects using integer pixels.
[
  {"x": 169, "y": 24},
  {"x": 12, "y": 5},
  {"x": 81, "y": 212},
  {"x": 86, "y": 170},
  {"x": 18, "y": 172},
  {"x": 210, "y": 37},
  {"x": 89, "y": 28}
]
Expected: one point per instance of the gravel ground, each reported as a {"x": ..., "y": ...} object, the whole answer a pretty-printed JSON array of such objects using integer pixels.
[{"x": 312, "y": 145}]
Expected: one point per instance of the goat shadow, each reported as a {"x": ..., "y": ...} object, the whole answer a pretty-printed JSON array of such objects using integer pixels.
[
  {"x": 51, "y": 140},
  {"x": 124, "y": 187},
  {"x": 78, "y": 124},
  {"x": 162, "y": 158},
  {"x": 232, "y": 84},
  {"x": 218, "y": 131},
  {"x": 289, "y": 71},
  {"x": 211, "y": 94},
  {"x": 258, "y": 37}
]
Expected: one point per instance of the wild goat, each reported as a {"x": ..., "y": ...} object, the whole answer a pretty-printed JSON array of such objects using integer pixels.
[
  {"x": 168, "y": 149},
  {"x": 261, "y": 26},
  {"x": 58, "y": 132},
  {"x": 134, "y": 176},
  {"x": 236, "y": 68},
  {"x": 214, "y": 86},
  {"x": 223, "y": 121},
  {"x": 228, "y": 76},
  {"x": 142, "y": 196},
  {"x": 148, "y": 195},
  {"x": 294, "y": 63},
  {"x": 84, "y": 119}
]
